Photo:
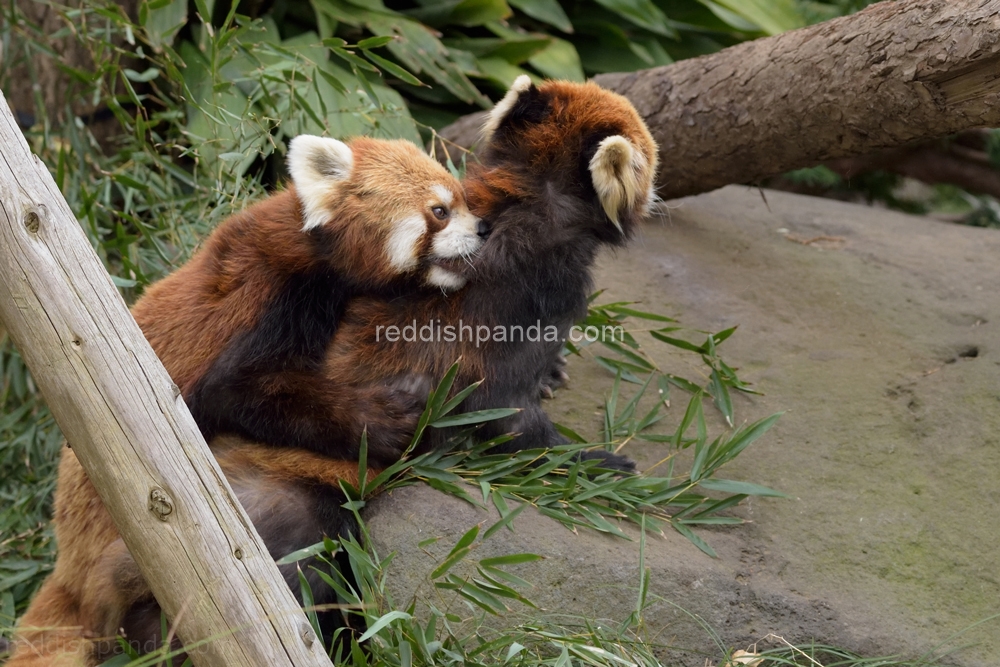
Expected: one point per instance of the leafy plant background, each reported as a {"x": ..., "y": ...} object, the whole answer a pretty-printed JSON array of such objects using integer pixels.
[{"x": 179, "y": 113}]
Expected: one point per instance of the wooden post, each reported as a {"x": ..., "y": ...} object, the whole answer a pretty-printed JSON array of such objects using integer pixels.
[{"x": 133, "y": 433}]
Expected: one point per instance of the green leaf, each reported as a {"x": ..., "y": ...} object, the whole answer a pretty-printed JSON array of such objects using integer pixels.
[
  {"x": 501, "y": 72},
  {"x": 695, "y": 540},
  {"x": 457, "y": 399},
  {"x": 477, "y": 12},
  {"x": 393, "y": 69},
  {"x": 382, "y": 622},
  {"x": 302, "y": 554},
  {"x": 631, "y": 312},
  {"x": 678, "y": 342},
  {"x": 505, "y": 521},
  {"x": 477, "y": 417},
  {"x": 744, "y": 488},
  {"x": 546, "y": 11},
  {"x": 163, "y": 21},
  {"x": 375, "y": 42},
  {"x": 772, "y": 16},
  {"x": 123, "y": 282},
  {"x": 559, "y": 61},
  {"x": 354, "y": 61},
  {"x": 142, "y": 77},
  {"x": 721, "y": 397},
  {"x": 642, "y": 13},
  {"x": 511, "y": 559}
]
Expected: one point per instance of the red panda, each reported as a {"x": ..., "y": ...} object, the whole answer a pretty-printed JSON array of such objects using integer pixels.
[
  {"x": 243, "y": 326},
  {"x": 262, "y": 298},
  {"x": 567, "y": 169}
]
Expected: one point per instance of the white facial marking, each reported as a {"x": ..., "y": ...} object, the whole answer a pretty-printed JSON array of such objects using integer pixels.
[
  {"x": 401, "y": 246},
  {"x": 503, "y": 107},
  {"x": 444, "y": 194},
  {"x": 318, "y": 165},
  {"x": 460, "y": 238},
  {"x": 617, "y": 170},
  {"x": 444, "y": 279}
]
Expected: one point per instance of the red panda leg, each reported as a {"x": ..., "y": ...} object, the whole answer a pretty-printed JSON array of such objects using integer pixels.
[{"x": 50, "y": 634}]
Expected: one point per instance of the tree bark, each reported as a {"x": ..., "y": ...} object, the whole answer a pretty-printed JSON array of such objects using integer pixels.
[
  {"x": 897, "y": 72},
  {"x": 133, "y": 433}
]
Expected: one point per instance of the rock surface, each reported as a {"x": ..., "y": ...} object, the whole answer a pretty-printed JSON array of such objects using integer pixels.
[{"x": 879, "y": 335}]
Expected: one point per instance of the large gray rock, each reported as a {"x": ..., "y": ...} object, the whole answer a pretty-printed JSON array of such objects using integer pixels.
[{"x": 880, "y": 339}]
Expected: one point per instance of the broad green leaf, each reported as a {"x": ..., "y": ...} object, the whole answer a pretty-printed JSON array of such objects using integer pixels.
[
  {"x": 559, "y": 61},
  {"x": 771, "y": 16},
  {"x": 642, "y": 13},
  {"x": 163, "y": 22},
  {"x": 477, "y": 12},
  {"x": 546, "y": 11},
  {"x": 501, "y": 72}
]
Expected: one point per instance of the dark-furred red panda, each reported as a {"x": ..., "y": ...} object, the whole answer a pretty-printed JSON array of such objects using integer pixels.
[{"x": 567, "y": 169}]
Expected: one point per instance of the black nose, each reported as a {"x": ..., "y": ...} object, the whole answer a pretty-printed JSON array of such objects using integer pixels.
[{"x": 483, "y": 229}]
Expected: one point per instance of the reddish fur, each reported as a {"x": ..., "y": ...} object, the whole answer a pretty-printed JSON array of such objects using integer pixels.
[{"x": 188, "y": 318}]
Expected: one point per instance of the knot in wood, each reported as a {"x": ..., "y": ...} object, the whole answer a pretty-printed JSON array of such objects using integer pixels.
[
  {"x": 308, "y": 634},
  {"x": 32, "y": 222},
  {"x": 160, "y": 504},
  {"x": 238, "y": 553}
]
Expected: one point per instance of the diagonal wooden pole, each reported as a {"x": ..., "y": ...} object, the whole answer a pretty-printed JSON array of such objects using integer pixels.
[{"x": 133, "y": 433}]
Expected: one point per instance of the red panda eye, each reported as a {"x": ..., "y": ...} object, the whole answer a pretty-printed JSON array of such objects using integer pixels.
[{"x": 440, "y": 212}]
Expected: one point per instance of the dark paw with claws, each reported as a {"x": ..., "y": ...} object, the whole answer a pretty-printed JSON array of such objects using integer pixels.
[
  {"x": 609, "y": 461},
  {"x": 554, "y": 378},
  {"x": 391, "y": 413}
]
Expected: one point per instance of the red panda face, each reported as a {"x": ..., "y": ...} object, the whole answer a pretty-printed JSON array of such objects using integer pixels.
[
  {"x": 583, "y": 132},
  {"x": 392, "y": 209}
]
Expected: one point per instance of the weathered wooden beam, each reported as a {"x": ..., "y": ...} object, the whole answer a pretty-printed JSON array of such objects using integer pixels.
[{"x": 133, "y": 433}]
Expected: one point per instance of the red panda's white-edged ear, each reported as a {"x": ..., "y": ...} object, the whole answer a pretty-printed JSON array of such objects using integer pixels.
[
  {"x": 504, "y": 106},
  {"x": 620, "y": 176},
  {"x": 318, "y": 166}
]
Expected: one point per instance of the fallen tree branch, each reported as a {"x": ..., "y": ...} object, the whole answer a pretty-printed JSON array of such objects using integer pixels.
[
  {"x": 897, "y": 72},
  {"x": 133, "y": 434}
]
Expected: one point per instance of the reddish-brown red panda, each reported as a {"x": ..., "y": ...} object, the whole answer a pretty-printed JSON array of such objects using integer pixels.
[
  {"x": 259, "y": 301},
  {"x": 567, "y": 169},
  {"x": 243, "y": 326}
]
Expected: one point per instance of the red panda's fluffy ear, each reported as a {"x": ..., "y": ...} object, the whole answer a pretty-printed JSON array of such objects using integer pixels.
[
  {"x": 318, "y": 166},
  {"x": 622, "y": 177},
  {"x": 505, "y": 108}
]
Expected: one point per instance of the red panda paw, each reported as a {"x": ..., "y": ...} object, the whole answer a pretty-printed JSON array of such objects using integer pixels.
[
  {"x": 390, "y": 413},
  {"x": 554, "y": 377}
]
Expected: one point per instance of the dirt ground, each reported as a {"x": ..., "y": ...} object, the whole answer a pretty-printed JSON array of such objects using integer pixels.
[
  {"x": 880, "y": 339},
  {"x": 878, "y": 334}
]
